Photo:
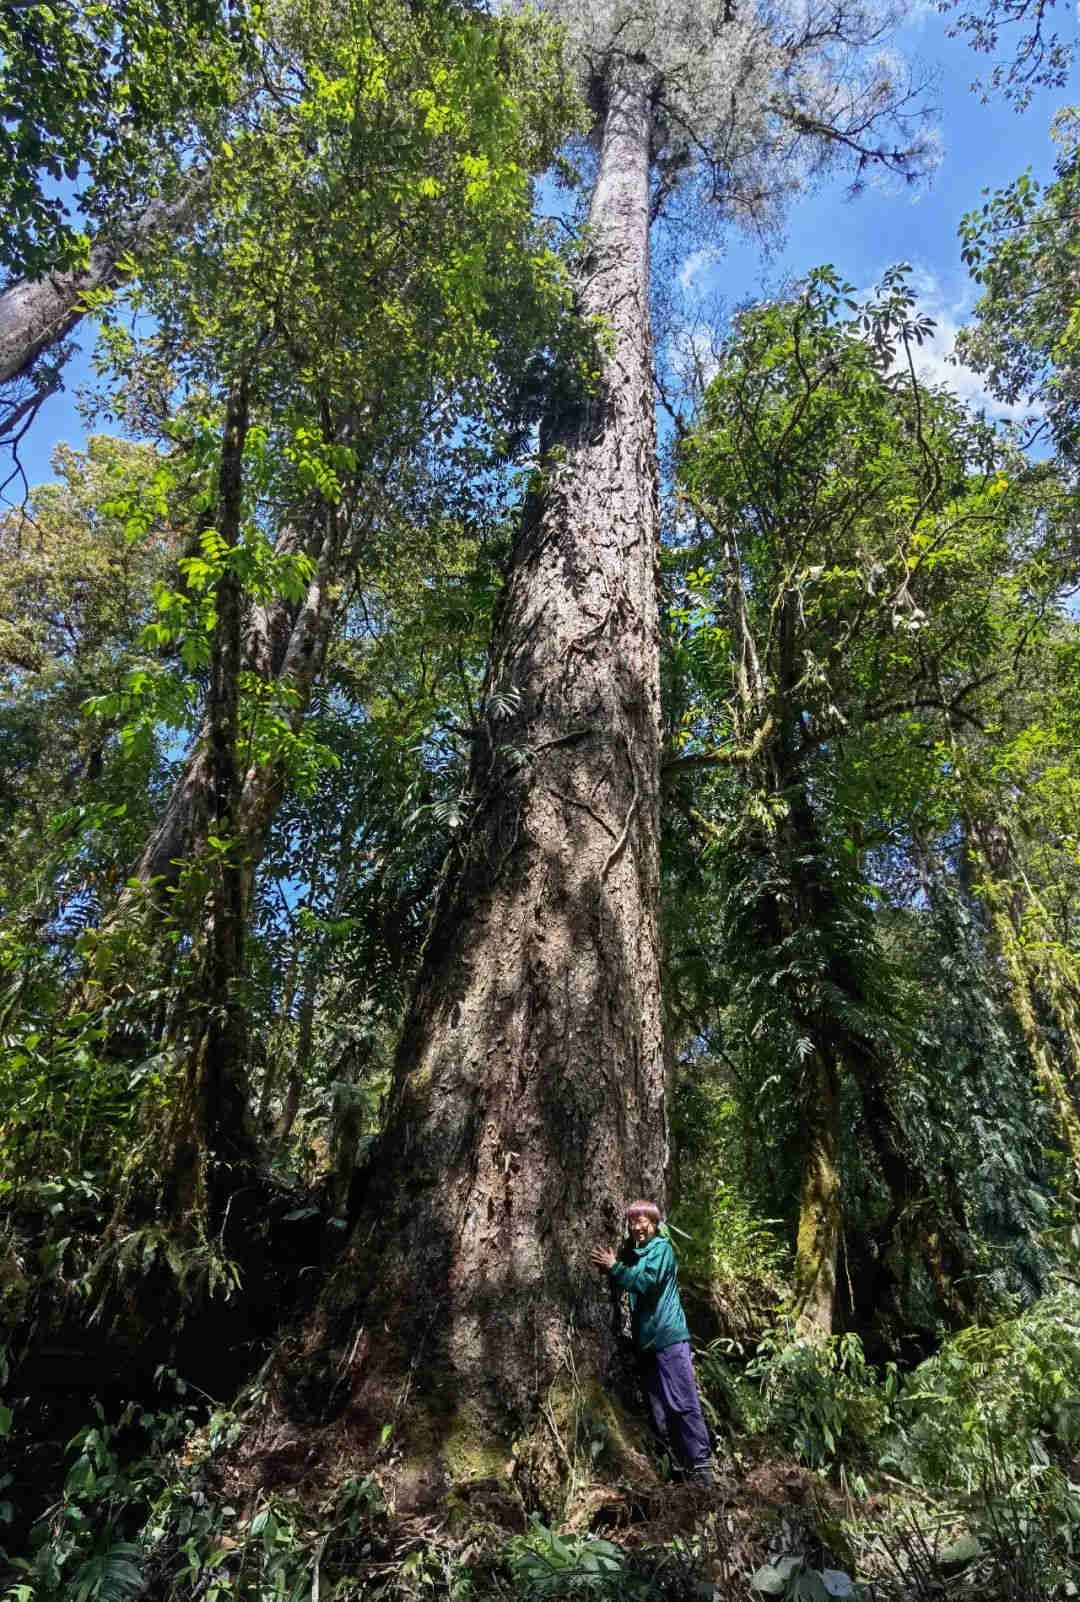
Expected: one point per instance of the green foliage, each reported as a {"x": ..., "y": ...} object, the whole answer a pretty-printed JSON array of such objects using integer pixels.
[
  {"x": 1041, "y": 57},
  {"x": 1006, "y": 1397},
  {"x": 792, "y": 1579},
  {"x": 1012, "y": 1537},
  {"x": 82, "y": 1547},
  {"x": 111, "y": 99},
  {"x": 1028, "y": 344},
  {"x": 544, "y": 1564},
  {"x": 721, "y": 1237},
  {"x": 972, "y": 1115},
  {"x": 77, "y": 589},
  {"x": 866, "y": 574},
  {"x": 865, "y": 569},
  {"x": 819, "y": 1398},
  {"x": 66, "y": 1103}
]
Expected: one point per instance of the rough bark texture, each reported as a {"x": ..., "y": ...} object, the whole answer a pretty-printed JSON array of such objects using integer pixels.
[
  {"x": 37, "y": 313},
  {"x": 528, "y": 1103}
]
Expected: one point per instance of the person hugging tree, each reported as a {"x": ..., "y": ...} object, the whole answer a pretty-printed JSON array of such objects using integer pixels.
[{"x": 661, "y": 1338}]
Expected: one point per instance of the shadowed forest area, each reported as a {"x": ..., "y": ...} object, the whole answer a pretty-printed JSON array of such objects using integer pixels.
[{"x": 479, "y": 746}]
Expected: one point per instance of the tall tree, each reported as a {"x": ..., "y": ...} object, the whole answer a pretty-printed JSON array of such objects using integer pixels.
[
  {"x": 529, "y": 1093},
  {"x": 353, "y": 340},
  {"x": 868, "y": 582},
  {"x": 1022, "y": 247}
]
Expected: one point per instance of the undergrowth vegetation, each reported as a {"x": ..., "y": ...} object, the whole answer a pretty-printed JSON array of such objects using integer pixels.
[{"x": 960, "y": 1477}]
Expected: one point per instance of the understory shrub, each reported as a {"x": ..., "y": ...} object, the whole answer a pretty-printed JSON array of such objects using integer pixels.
[
  {"x": 1005, "y": 1397},
  {"x": 819, "y": 1399}
]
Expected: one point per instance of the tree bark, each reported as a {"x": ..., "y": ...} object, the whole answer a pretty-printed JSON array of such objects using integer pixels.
[
  {"x": 37, "y": 313},
  {"x": 990, "y": 858},
  {"x": 528, "y": 1103},
  {"x": 296, "y": 658},
  {"x": 1048, "y": 1071},
  {"x": 820, "y": 1209},
  {"x": 282, "y": 642}
]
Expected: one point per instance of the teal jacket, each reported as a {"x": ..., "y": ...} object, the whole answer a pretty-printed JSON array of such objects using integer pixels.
[{"x": 656, "y": 1316}]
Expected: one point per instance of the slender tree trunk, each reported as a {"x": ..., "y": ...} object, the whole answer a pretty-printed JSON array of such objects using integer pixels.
[
  {"x": 282, "y": 642},
  {"x": 1048, "y": 1070},
  {"x": 211, "y": 1116},
  {"x": 347, "y": 1126},
  {"x": 37, "y": 313},
  {"x": 264, "y": 1119},
  {"x": 304, "y": 653},
  {"x": 820, "y": 1208},
  {"x": 990, "y": 854},
  {"x": 528, "y": 1104}
]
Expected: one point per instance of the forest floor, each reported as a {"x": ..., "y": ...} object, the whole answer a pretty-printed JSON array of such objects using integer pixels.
[{"x": 179, "y": 1478}]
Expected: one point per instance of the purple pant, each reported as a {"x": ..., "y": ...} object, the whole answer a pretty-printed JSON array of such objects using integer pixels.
[{"x": 673, "y": 1402}]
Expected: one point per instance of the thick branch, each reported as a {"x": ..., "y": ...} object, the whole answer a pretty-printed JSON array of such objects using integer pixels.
[{"x": 37, "y": 313}]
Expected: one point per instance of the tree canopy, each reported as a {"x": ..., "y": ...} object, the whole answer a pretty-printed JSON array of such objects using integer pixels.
[{"x": 434, "y": 813}]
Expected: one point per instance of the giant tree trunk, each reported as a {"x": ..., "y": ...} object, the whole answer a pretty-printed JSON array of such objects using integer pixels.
[{"x": 528, "y": 1103}]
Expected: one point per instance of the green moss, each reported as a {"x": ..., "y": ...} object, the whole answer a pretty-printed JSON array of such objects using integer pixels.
[
  {"x": 595, "y": 1430},
  {"x": 471, "y": 1456},
  {"x": 461, "y": 1440},
  {"x": 608, "y": 1421}
]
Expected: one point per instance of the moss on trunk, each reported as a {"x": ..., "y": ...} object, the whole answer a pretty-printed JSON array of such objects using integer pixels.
[{"x": 820, "y": 1210}]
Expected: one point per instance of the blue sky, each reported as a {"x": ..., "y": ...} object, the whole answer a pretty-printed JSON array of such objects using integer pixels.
[{"x": 983, "y": 145}]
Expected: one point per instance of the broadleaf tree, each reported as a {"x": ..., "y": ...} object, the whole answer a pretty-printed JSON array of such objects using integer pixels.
[
  {"x": 108, "y": 116},
  {"x": 305, "y": 362},
  {"x": 868, "y": 574}
]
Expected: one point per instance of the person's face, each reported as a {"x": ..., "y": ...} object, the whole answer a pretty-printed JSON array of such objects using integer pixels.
[{"x": 642, "y": 1229}]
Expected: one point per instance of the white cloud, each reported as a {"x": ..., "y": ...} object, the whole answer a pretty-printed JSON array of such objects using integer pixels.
[
  {"x": 934, "y": 360},
  {"x": 695, "y": 264},
  {"x": 918, "y": 12}
]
